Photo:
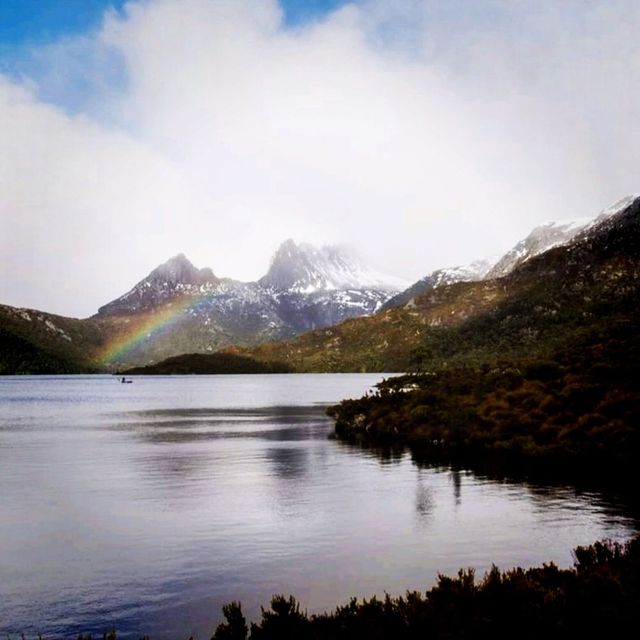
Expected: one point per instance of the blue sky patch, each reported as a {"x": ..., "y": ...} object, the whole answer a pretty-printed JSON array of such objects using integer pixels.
[
  {"x": 34, "y": 22},
  {"x": 37, "y": 22}
]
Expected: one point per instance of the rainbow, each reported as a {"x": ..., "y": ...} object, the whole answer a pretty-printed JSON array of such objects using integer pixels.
[{"x": 137, "y": 331}]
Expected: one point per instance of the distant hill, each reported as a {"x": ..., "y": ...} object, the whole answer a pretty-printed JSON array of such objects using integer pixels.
[
  {"x": 67, "y": 345},
  {"x": 215, "y": 363},
  {"x": 546, "y": 378},
  {"x": 19, "y": 356}
]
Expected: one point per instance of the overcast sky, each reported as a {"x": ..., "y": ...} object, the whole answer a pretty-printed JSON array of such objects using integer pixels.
[{"x": 425, "y": 134}]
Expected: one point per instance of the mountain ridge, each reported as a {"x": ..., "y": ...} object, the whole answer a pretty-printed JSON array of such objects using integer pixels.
[
  {"x": 180, "y": 309},
  {"x": 548, "y": 298},
  {"x": 540, "y": 239}
]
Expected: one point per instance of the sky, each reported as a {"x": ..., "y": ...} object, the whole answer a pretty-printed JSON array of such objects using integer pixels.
[{"x": 423, "y": 133}]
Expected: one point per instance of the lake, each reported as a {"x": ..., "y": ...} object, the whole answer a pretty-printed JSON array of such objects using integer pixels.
[{"x": 147, "y": 506}]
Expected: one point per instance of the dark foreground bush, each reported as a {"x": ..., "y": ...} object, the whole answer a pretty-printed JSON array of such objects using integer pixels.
[{"x": 598, "y": 598}]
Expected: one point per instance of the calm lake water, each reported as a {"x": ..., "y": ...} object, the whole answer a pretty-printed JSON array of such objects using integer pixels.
[{"x": 147, "y": 506}]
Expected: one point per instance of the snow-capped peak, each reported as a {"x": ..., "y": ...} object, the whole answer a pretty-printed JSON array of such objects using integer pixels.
[
  {"x": 542, "y": 238},
  {"x": 553, "y": 234},
  {"x": 472, "y": 272},
  {"x": 618, "y": 206},
  {"x": 304, "y": 268}
]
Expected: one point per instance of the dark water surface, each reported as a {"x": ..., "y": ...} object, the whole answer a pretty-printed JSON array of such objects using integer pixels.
[{"x": 147, "y": 506}]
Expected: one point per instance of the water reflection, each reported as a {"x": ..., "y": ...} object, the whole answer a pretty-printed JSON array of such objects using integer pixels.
[
  {"x": 456, "y": 481},
  {"x": 150, "y": 511},
  {"x": 617, "y": 498},
  {"x": 383, "y": 453},
  {"x": 191, "y": 425},
  {"x": 425, "y": 501},
  {"x": 288, "y": 463}
]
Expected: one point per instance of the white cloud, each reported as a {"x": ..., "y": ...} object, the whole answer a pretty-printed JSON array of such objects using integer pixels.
[{"x": 423, "y": 133}]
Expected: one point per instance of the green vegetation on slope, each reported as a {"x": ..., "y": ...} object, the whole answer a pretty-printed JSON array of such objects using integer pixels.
[
  {"x": 62, "y": 345},
  {"x": 549, "y": 374},
  {"x": 577, "y": 407},
  {"x": 547, "y": 303},
  {"x": 539, "y": 309},
  {"x": 20, "y": 357}
]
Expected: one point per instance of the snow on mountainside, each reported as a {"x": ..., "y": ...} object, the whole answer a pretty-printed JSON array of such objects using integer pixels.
[
  {"x": 174, "y": 277},
  {"x": 552, "y": 234},
  {"x": 305, "y": 288},
  {"x": 544, "y": 237},
  {"x": 180, "y": 309},
  {"x": 569, "y": 296},
  {"x": 477, "y": 270},
  {"x": 541, "y": 239},
  {"x": 303, "y": 268},
  {"x": 615, "y": 208},
  {"x": 465, "y": 273}
]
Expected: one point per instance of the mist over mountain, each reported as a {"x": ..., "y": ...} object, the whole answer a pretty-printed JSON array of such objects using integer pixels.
[
  {"x": 305, "y": 288},
  {"x": 304, "y": 268},
  {"x": 585, "y": 286},
  {"x": 181, "y": 309}
]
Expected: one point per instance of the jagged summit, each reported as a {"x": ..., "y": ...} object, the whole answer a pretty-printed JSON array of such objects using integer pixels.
[
  {"x": 569, "y": 295},
  {"x": 175, "y": 276},
  {"x": 179, "y": 308},
  {"x": 305, "y": 288},
  {"x": 179, "y": 270},
  {"x": 304, "y": 268}
]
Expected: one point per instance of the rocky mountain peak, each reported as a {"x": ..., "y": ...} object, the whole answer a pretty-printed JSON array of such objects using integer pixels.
[
  {"x": 305, "y": 268},
  {"x": 175, "y": 276},
  {"x": 179, "y": 270}
]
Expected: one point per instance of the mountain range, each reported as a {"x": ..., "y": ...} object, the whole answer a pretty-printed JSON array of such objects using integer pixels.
[
  {"x": 351, "y": 316},
  {"x": 588, "y": 283},
  {"x": 536, "y": 371},
  {"x": 179, "y": 309}
]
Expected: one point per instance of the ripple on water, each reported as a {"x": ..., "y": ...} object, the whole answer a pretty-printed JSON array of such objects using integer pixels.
[{"x": 147, "y": 508}]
